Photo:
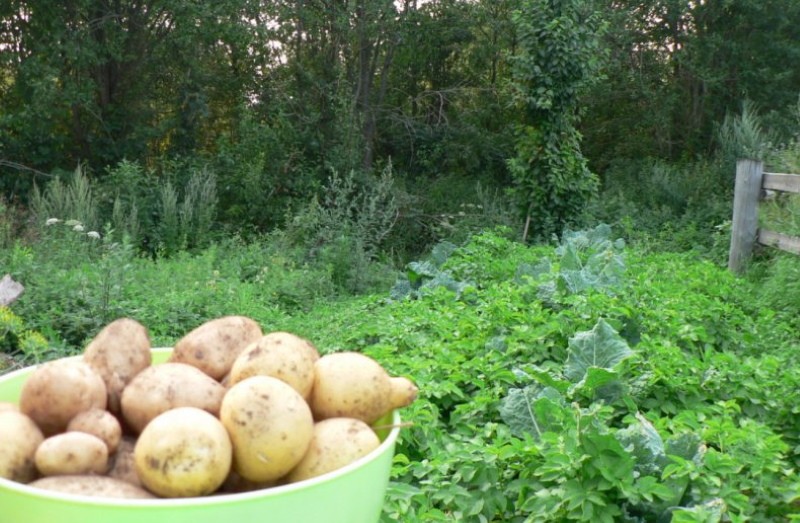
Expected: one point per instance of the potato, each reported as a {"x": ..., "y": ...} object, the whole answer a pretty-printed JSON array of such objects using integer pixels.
[
  {"x": 95, "y": 486},
  {"x": 213, "y": 346},
  {"x": 163, "y": 387},
  {"x": 58, "y": 391},
  {"x": 281, "y": 355},
  {"x": 337, "y": 442},
  {"x": 270, "y": 425},
  {"x": 72, "y": 453},
  {"x": 100, "y": 423},
  {"x": 4, "y": 406},
  {"x": 121, "y": 463},
  {"x": 118, "y": 353},
  {"x": 19, "y": 438},
  {"x": 183, "y": 452},
  {"x": 352, "y": 385}
]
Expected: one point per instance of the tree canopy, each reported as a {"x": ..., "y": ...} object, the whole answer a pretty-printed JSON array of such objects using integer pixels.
[{"x": 275, "y": 94}]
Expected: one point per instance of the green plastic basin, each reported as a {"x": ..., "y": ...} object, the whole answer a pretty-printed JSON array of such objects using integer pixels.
[{"x": 353, "y": 494}]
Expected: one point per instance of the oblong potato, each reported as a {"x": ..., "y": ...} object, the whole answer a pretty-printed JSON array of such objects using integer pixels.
[
  {"x": 58, "y": 391},
  {"x": 19, "y": 439},
  {"x": 281, "y": 355},
  {"x": 270, "y": 426},
  {"x": 160, "y": 388},
  {"x": 120, "y": 351},
  {"x": 100, "y": 423},
  {"x": 353, "y": 385},
  {"x": 184, "y": 452},
  {"x": 337, "y": 442},
  {"x": 95, "y": 486},
  {"x": 213, "y": 346},
  {"x": 72, "y": 453}
]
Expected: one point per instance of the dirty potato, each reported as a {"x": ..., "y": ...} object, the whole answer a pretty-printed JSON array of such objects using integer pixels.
[
  {"x": 119, "y": 352},
  {"x": 58, "y": 391},
  {"x": 281, "y": 355},
  {"x": 72, "y": 453},
  {"x": 19, "y": 439},
  {"x": 213, "y": 346},
  {"x": 167, "y": 386}
]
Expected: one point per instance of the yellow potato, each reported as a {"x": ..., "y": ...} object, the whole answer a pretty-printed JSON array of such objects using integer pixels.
[
  {"x": 72, "y": 453},
  {"x": 19, "y": 439},
  {"x": 163, "y": 387},
  {"x": 94, "y": 486},
  {"x": 58, "y": 391},
  {"x": 213, "y": 346},
  {"x": 281, "y": 355},
  {"x": 270, "y": 425},
  {"x": 337, "y": 442},
  {"x": 100, "y": 423},
  {"x": 353, "y": 385},
  {"x": 118, "y": 353},
  {"x": 183, "y": 452}
]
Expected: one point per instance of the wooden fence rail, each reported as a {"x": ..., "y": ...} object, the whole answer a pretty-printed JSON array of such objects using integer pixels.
[{"x": 751, "y": 181}]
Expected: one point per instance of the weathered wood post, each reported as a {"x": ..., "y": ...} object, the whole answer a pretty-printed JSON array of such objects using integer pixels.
[{"x": 749, "y": 175}]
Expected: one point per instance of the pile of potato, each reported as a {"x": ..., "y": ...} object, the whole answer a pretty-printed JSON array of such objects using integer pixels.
[{"x": 232, "y": 410}]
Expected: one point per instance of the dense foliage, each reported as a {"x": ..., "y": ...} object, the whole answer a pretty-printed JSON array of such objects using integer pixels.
[
  {"x": 577, "y": 381},
  {"x": 270, "y": 98}
]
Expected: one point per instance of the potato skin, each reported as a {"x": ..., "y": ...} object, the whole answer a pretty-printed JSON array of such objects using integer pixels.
[
  {"x": 270, "y": 425},
  {"x": 5, "y": 405},
  {"x": 120, "y": 351},
  {"x": 160, "y": 388},
  {"x": 121, "y": 463},
  {"x": 184, "y": 452},
  {"x": 72, "y": 453},
  {"x": 213, "y": 346},
  {"x": 19, "y": 439},
  {"x": 350, "y": 385},
  {"x": 337, "y": 442},
  {"x": 58, "y": 391},
  {"x": 94, "y": 486},
  {"x": 100, "y": 423},
  {"x": 281, "y": 355}
]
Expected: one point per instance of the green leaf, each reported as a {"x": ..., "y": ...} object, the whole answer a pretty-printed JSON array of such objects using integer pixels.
[
  {"x": 601, "y": 347},
  {"x": 685, "y": 445},
  {"x": 533, "y": 410},
  {"x": 708, "y": 512},
  {"x": 441, "y": 252},
  {"x": 594, "y": 380},
  {"x": 546, "y": 379},
  {"x": 644, "y": 443}
]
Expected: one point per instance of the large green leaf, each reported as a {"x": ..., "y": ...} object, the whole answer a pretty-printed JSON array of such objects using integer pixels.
[
  {"x": 600, "y": 347},
  {"x": 533, "y": 410},
  {"x": 598, "y": 384},
  {"x": 644, "y": 443}
]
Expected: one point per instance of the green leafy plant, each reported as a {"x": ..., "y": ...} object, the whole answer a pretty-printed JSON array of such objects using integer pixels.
[{"x": 558, "y": 57}]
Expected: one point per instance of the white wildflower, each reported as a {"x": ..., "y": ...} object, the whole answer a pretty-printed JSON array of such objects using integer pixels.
[
  {"x": 93, "y": 234},
  {"x": 78, "y": 228},
  {"x": 52, "y": 221}
]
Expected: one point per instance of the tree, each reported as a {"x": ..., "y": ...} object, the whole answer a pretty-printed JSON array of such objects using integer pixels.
[
  {"x": 95, "y": 81},
  {"x": 558, "y": 56}
]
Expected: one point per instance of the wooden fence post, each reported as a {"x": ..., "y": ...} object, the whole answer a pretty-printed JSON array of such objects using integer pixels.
[{"x": 749, "y": 175}]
